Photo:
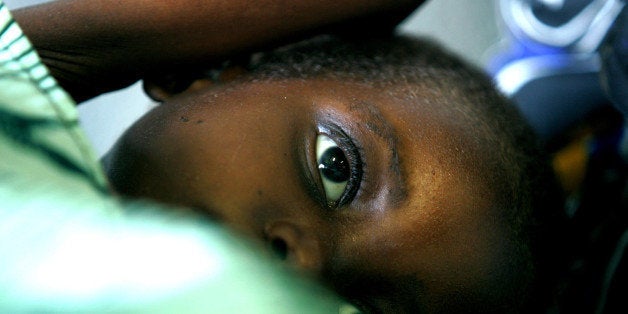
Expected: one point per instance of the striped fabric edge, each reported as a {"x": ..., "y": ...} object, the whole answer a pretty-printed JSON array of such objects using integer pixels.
[{"x": 20, "y": 59}]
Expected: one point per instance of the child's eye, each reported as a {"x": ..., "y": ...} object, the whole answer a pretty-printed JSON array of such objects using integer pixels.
[{"x": 333, "y": 167}]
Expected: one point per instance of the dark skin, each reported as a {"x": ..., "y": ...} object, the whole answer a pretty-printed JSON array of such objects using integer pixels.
[
  {"x": 97, "y": 46},
  {"x": 417, "y": 231},
  {"x": 417, "y": 234}
]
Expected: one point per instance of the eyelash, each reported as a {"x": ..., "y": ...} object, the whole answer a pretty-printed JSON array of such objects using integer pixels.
[{"x": 353, "y": 154}]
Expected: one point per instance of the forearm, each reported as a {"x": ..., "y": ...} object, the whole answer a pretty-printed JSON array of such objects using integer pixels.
[{"x": 124, "y": 40}]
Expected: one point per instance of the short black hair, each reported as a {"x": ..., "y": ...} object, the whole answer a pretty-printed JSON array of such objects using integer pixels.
[{"x": 514, "y": 164}]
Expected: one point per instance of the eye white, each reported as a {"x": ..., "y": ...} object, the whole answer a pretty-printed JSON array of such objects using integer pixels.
[{"x": 333, "y": 168}]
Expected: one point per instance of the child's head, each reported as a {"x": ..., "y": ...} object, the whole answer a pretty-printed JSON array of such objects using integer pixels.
[{"x": 387, "y": 167}]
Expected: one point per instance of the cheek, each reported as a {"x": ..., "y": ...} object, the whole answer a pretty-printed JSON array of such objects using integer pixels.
[
  {"x": 228, "y": 159},
  {"x": 240, "y": 165}
]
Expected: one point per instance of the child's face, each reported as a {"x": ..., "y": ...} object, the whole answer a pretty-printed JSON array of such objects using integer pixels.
[{"x": 416, "y": 229}]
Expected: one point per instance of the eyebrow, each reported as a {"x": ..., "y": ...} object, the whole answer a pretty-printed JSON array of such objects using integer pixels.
[{"x": 378, "y": 125}]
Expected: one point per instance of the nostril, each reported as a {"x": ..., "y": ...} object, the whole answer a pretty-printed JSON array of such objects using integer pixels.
[
  {"x": 295, "y": 245},
  {"x": 280, "y": 248}
]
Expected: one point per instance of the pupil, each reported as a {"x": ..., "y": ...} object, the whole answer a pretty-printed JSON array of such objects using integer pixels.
[{"x": 333, "y": 165}]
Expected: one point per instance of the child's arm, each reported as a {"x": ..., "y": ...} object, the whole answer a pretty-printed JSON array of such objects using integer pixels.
[{"x": 97, "y": 46}]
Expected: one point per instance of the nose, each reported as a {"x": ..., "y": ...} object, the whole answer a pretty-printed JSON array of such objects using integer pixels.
[{"x": 296, "y": 244}]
